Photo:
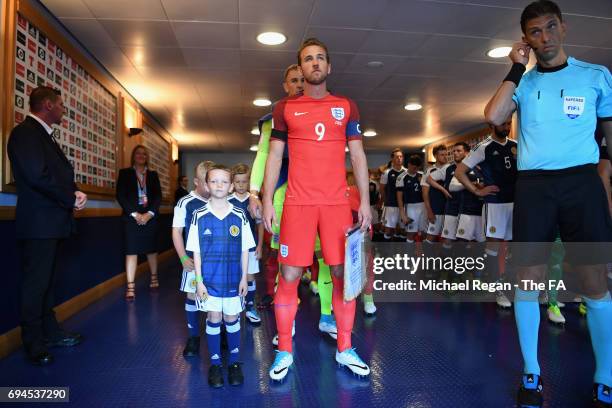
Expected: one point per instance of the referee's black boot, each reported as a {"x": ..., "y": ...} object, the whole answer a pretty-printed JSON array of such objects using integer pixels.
[
  {"x": 530, "y": 392},
  {"x": 602, "y": 396},
  {"x": 192, "y": 348}
]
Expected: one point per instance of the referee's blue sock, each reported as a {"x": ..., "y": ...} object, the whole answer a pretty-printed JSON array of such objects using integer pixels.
[
  {"x": 599, "y": 320},
  {"x": 193, "y": 321},
  {"x": 213, "y": 336},
  {"x": 233, "y": 340},
  {"x": 250, "y": 297},
  {"x": 527, "y": 315}
]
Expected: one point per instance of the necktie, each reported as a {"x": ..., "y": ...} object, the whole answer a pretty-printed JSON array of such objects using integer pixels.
[{"x": 58, "y": 147}]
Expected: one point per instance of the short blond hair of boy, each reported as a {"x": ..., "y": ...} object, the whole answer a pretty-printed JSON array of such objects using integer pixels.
[
  {"x": 240, "y": 169},
  {"x": 202, "y": 168}
]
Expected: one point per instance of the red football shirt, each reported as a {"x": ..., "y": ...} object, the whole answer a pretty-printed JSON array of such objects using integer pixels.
[{"x": 316, "y": 132}]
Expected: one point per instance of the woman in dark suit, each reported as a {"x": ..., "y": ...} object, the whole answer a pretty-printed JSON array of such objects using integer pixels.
[{"x": 139, "y": 194}]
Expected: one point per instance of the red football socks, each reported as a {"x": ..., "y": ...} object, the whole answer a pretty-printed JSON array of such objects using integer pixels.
[
  {"x": 271, "y": 270},
  {"x": 344, "y": 313},
  {"x": 285, "y": 307}
]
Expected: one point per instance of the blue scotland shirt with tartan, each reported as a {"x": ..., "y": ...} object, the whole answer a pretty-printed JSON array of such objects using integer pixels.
[{"x": 220, "y": 240}]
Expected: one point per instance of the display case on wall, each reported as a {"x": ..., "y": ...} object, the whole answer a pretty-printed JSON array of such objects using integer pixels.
[
  {"x": 95, "y": 130},
  {"x": 89, "y": 135},
  {"x": 160, "y": 156}
]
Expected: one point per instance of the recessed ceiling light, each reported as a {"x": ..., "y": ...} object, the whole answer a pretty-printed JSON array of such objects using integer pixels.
[
  {"x": 369, "y": 133},
  {"x": 139, "y": 57},
  {"x": 255, "y": 131},
  {"x": 271, "y": 38},
  {"x": 253, "y": 148},
  {"x": 262, "y": 102},
  {"x": 413, "y": 106},
  {"x": 180, "y": 119},
  {"x": 499, "y": 52},
  {"x": 375, "y": 64}
]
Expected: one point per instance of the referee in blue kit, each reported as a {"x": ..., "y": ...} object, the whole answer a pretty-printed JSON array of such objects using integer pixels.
[{"x": 558, "y": 104}]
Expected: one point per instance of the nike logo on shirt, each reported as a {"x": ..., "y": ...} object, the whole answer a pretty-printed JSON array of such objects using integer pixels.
[{"x": 300, "y": 113}]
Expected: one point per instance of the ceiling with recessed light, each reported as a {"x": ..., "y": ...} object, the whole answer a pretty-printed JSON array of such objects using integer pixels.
[{"x": 197, "y": 66}]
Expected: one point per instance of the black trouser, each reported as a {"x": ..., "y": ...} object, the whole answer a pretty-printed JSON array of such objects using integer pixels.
[{"x": 37, "y": 292}]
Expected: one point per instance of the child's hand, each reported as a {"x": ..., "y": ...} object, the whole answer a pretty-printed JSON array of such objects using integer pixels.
[
  {"x": 406, "y": 219},
  {"x": 243, "y": 287},
  {"x": 258, "y": 251},
  {"x": 431, "y": 217},
  {"x": 188, "y": 264},
  {"x": 201, "y": 291}
]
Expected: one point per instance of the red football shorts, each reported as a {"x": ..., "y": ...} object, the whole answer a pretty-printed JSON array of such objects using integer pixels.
[{"x": 299, "y": 227}]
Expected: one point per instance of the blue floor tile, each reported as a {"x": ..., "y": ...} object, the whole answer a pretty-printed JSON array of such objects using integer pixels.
[{"x": 421, "y": 355}]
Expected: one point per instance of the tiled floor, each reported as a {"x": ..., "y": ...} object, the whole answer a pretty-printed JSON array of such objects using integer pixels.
[{"x": 421, "y": 355}]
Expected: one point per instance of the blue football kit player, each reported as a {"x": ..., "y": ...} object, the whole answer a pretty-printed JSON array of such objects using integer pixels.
[
  {"x": 183, "y": 213},
  {"x": 220, "y": 238}
]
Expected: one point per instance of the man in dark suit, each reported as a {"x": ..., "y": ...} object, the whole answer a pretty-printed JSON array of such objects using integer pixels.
[
  {"x": 181, "y": 191},
  {"x": 46, "y": 198}
]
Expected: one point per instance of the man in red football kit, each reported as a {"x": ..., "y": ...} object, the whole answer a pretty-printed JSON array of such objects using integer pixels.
[{"x": 317, "y": 126}]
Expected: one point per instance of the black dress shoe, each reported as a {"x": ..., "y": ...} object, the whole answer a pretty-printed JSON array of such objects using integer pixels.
[
  {"x": 192, "y": 348},
  {"x": 234, "y": 374},
  {"x": 64, "y": 339},
  {"x": 215, "y": 376},
  {"x": 41, "y": 358}
]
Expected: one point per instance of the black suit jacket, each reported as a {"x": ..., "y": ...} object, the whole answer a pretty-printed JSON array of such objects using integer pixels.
[
  {"x": 179, "y": 193},
  {"x": 127, "y": 192},
  {"x": 45, "y": 183}
]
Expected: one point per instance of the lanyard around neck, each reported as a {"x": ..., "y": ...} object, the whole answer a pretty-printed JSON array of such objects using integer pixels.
[{"x": 141, "y": 178}]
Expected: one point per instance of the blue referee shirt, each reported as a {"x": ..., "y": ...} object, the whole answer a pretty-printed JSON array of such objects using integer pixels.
[{"x": 558, "y": 110}]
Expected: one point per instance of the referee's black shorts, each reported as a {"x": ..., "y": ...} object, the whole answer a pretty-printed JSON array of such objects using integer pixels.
[{"x": 571, "y": 201}]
